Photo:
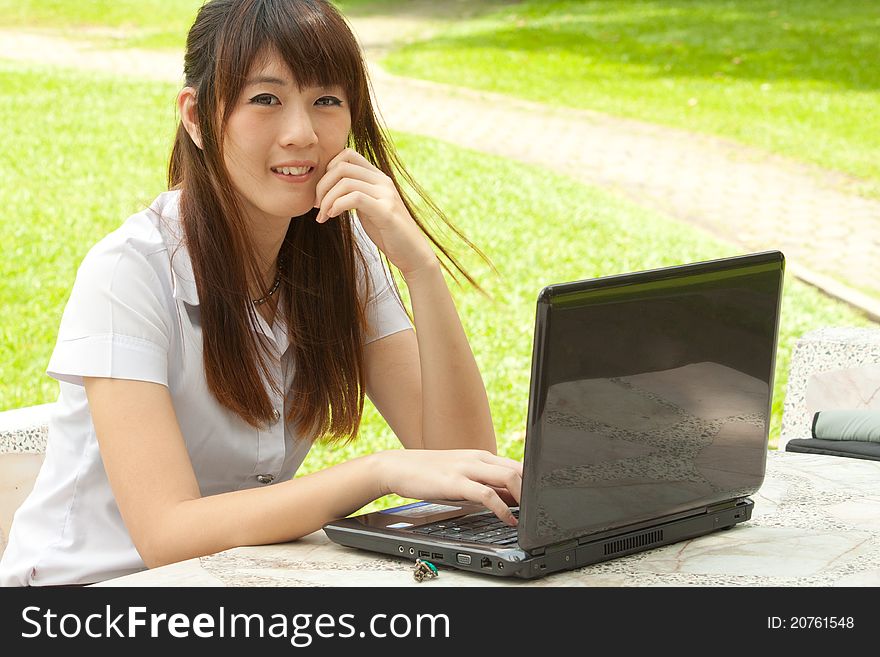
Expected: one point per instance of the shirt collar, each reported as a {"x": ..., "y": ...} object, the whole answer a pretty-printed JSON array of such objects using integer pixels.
[
  {"x": 167, "y": 208},
  {"x": 183, "y": 280}
]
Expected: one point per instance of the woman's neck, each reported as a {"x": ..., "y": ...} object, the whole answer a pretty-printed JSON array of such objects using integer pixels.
[{"x": 267, "y": 239}]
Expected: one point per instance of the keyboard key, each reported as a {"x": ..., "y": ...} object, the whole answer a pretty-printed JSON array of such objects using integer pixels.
[{"x": 481, "y": 528}]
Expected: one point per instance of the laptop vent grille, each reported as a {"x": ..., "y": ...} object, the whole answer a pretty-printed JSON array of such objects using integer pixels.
[{"x": 633, "y": 542}]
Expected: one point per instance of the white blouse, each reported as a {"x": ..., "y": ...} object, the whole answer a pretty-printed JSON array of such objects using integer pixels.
[{"x": 133, "y": 313}]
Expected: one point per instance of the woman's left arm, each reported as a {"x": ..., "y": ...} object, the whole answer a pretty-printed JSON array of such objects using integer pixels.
[{"x": 454, "y": 407}]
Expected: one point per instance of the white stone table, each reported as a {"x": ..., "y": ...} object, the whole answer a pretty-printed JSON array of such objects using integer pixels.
[{"x": 816, "y": 522}]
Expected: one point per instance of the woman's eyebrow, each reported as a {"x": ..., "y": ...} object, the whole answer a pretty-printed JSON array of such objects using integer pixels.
[
  {"x": 265, "y": 79},
  {"x": 268, "y": 79}
]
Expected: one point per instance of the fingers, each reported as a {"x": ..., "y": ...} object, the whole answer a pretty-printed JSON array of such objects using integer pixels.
[
  {"x": 345, "y": 170},
  {"x": 364, "y": 204},
  {"x": 489, "y": 457},
  {"x": 498, "y": 480},
  {"x": 475, "y": 475},
  {"x": 487, "y": 496},
  {"x": 351, "y": 155},
  {"x": 498, "y": 476},
  {"x": 341, "y": 196},
  {"x": 506, "y": 497}
]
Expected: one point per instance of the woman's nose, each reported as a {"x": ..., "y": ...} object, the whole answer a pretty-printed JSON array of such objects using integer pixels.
[{"x": 298, "y": 129}]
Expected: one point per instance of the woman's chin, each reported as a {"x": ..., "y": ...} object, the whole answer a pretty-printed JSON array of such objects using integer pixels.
[{"x": 309, "y": 213}]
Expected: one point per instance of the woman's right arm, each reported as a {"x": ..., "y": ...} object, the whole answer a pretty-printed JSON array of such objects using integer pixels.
[{"x": 158, "y": 495}]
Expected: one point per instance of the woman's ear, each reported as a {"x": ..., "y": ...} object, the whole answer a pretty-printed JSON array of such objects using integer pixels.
[{"x": 186, "y": 105}]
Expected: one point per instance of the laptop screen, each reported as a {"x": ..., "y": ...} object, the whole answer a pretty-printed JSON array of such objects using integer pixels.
[{"x": 650, "y": 396}]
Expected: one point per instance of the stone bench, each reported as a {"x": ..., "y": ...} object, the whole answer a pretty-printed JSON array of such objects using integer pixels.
[
  {"x": 23, "y": 434},
  {"x": 831, "y": 368}
]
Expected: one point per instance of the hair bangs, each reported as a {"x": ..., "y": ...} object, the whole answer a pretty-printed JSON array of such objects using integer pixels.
[{"x": 316, "y": 45}]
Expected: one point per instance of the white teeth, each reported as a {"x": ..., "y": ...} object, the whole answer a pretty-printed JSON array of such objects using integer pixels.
[{"x": 292, "y": 171}]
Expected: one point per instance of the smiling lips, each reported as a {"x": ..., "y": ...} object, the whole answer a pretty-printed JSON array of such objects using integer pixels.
[
  {"x": 292, "y": 171},
  {"x": 296, "y": 172}
]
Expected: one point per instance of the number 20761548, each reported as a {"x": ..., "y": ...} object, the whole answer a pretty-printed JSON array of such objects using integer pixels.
[{"x": 810, "y": 623}]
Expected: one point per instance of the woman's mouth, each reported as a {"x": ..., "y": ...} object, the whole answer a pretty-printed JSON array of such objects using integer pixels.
[{"x": 293, "y": 174}]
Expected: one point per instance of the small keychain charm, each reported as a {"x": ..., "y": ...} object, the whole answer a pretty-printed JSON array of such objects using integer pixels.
[{"x": 424, "y": 569}]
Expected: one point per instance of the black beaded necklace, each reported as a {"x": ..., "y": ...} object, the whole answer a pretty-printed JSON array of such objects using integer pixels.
[{"x": 263, "y": 299}]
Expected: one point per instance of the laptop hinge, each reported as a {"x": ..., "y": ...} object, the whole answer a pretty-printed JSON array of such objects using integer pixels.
[
  {"x": 729, "y": 504},
  {"x": 553, "y": 549}
]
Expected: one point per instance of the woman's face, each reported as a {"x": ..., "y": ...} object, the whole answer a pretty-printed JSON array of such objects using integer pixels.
[{"x": 279, "y": 140}]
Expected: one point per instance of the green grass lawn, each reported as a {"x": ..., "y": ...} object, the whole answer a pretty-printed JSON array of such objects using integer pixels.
[
  {"x": 795, "y": 77},
  {"x": 84, "y": 151},
  {"x": 79, "y": 154},
  {"x": 153, "y": 24},
  {"x": 124, "y": 23}
]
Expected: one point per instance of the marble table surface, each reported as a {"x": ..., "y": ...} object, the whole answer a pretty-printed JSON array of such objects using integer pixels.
[{"x": 816, "y": 522}]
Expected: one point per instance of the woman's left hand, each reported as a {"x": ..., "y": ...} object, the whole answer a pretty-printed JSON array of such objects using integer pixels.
[{"x": 351, "y": 182}]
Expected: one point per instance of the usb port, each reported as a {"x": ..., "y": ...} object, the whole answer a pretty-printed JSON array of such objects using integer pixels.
[
  {"x": 422, "y": 553},
  {"x": 436, "y": 556}
]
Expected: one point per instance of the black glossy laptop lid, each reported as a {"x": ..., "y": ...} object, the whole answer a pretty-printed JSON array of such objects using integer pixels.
[{"x": 650, "y": 396}]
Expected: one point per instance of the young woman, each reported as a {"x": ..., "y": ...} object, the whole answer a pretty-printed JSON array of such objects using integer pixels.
[{"x": 209, "y": 341}]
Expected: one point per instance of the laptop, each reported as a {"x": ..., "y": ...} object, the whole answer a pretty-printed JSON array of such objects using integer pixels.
[{"x": 648, "y": 423}]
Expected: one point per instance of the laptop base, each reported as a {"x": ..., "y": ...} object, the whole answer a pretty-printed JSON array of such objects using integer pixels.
[{"x": 514, "y": 562}]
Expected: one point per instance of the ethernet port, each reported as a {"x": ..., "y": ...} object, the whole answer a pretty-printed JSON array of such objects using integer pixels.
[{"x": 486, "y": 562}]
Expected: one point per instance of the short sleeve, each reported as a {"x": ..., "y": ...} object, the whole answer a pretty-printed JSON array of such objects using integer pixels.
[
  {"x": 116, "y": 322},
  {"x": 385, "y": 311}
]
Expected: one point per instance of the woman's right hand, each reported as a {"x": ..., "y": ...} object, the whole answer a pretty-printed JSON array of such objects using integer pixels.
[{"x": 453, "y": 474}]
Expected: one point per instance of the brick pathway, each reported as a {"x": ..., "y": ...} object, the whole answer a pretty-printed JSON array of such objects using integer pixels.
[
  {"x": 742, "y": 195},
  {"x": 757, "y": 201}
]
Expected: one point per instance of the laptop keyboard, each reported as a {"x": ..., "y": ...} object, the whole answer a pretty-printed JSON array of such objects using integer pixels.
[{"x": 482, "y": 528}]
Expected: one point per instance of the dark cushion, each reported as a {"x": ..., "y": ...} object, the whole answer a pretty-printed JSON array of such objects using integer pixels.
[{"x": 856, "y": 449}]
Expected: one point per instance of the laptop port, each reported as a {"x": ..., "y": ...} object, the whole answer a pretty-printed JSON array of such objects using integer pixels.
[
  {"x": 463, "y": 559},
  {"x": 423, "y": 553},
  {"x": 436, "y": 556},
  {"x": 485, "y": 562}
]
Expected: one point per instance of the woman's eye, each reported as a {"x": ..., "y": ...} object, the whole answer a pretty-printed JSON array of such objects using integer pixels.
[
  {"x": 327, "y": 101},
  {"x": 265, "y": 99}
]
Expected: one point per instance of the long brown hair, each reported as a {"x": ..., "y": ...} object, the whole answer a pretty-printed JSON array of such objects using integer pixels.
[{"x": 324, "y": 313}]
